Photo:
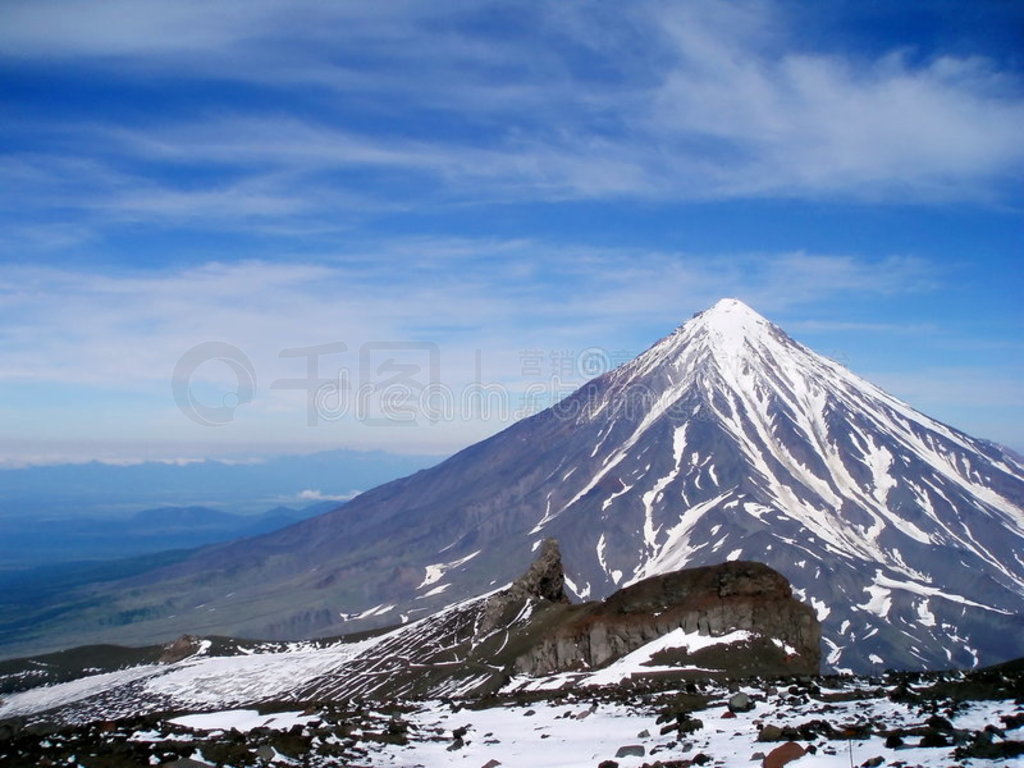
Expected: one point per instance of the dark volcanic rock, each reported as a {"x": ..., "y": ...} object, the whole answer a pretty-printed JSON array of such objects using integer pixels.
[
  {"x": 544, "y": 580},
  {"x": 714, "y": 601},
  {"x": 633, "y": 750},
  {"x": 531, "y": 628}
]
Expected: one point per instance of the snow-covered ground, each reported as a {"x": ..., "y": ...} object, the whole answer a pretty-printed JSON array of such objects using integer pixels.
[
  {"x": 530, "y": 726},
  {"x": 198, "y": 681},
  {"x": 583, "y": 734},
  {"x": 242, "y": 720},
  {"x": 639, "y": 662}
]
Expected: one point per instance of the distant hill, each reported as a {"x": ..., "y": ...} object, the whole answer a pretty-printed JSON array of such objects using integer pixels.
[{"x": 25, "y": 543}]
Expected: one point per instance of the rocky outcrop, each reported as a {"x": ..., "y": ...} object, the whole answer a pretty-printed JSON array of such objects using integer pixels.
[
  {"x": 182, "y": 648},
  {"x": 497, "y": 643},
  {"x": 545, "y": 578},
  {"x": 714, "y": 601},
  {"x": 543, "y": 581},
  {"x": 530, "y": 628}
]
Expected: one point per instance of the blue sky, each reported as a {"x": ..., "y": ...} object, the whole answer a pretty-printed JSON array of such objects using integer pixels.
[{"x": 513, "y": 193}]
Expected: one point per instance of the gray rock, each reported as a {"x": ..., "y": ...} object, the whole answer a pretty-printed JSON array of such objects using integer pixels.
[
  {"x": 740, "y": 703},
  {"x": 182, "y": 648},
  {"x": 266, "y": 752},
  {"x": 633, "y": 750},
  {"x": 544, "y": 581}
]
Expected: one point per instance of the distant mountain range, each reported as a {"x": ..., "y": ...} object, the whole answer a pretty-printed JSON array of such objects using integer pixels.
[
  {"x": 726, "y": 440},
  {"x": 246, "y": 485}
]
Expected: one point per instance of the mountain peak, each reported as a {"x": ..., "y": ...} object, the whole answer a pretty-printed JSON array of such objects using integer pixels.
[
  {"x": 727, "y": 332},
  {"x": 731, "y": 318},
  {"x": 730, "y": 306}
]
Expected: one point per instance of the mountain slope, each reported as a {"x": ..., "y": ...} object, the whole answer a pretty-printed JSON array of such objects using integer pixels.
[{"x": 725, "y": 440}]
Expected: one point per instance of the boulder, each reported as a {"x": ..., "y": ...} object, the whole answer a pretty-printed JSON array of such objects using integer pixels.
[
  {"x": 632, "y": 750},
  {"x": 740, "y": 703},
  {"x": 783, "y": 754},
  {"x": 182, "y": 648}
]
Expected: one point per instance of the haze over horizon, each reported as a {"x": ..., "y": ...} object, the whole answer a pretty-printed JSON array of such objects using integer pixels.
[{"x": 209, "y": 214}]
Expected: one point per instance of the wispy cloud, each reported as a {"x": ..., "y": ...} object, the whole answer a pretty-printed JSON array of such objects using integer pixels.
[
  {"x": 87, "y": 327},
  {"x": 815, "y": 123},
  {"x": 465, "y": 106}
]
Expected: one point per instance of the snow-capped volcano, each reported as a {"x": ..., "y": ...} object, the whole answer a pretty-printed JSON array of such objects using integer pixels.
[
  {"x": 728, "y": 439},
  {"x": 725, "y": 440}
]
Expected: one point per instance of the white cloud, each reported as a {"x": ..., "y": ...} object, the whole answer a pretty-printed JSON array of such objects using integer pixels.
[
  {"x": 353, "y": 110},
  {"x": 808, "y": 124},
  {"x": 316, "y": 495}
]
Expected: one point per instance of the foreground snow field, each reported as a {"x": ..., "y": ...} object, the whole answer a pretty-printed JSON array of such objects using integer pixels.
[
  {"x": 897, "y": 720},
  {"x": 582, "y": 734}
]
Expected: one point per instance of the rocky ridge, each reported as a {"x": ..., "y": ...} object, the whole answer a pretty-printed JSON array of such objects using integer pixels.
[
  {"x": 712, "y": 601},
  {"x": 441, "y": 692},
  {"x": 722, "y": 622}
]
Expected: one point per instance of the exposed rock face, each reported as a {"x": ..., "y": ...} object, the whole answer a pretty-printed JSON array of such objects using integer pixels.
[
  {"x": 531, "y": 628},
  {"x": 544, "y": 580},
  {"x": 714, "y": 600}
]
